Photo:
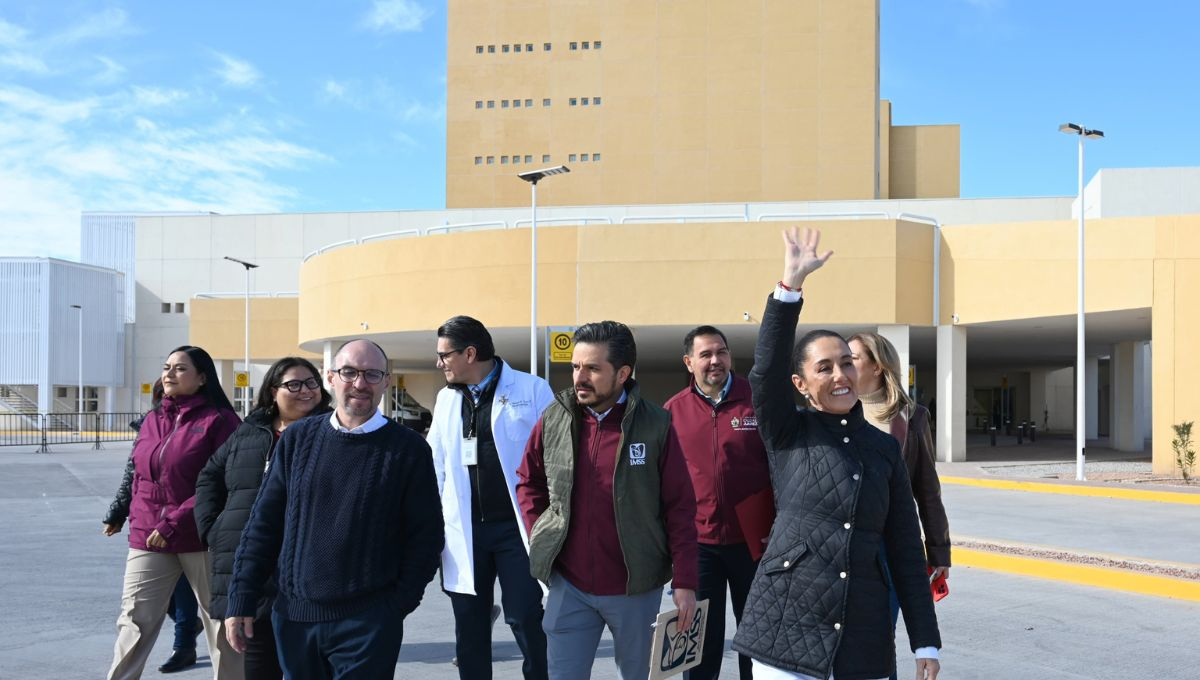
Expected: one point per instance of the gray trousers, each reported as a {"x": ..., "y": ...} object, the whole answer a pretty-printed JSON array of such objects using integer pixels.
[{"x": 575, "y": 620}]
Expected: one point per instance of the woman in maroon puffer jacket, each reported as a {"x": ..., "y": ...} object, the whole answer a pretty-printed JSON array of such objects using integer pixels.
[{"x": 175, "y": 442}]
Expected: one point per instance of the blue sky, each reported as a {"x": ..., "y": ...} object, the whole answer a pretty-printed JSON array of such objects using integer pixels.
[{"x": 272, "y": 106}]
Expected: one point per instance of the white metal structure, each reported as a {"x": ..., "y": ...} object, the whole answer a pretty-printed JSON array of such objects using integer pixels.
[{"x": 533, "y": 177}]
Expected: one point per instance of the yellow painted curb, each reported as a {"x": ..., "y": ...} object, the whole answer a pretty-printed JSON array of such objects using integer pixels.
[
  {"x": 1081, "y": 574},
  {"x": 1072, "y": 490}
]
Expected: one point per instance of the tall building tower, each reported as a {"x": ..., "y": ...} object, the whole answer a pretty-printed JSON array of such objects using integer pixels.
[{"x": 679, "y": 101}]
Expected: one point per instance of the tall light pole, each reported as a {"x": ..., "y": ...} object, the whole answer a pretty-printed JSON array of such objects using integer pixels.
[
  {"x": 1080, "y": 360},
  {"x": 533, "y": 177},
  {"x": 248, "y": 266},
  {"x": 79, "y": 308}
]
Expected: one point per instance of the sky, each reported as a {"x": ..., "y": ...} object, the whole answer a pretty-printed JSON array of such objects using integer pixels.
[{"x": 269, "y": 106}]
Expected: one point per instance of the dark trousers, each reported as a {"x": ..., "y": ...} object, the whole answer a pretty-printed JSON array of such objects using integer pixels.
[
  {"x": 722, "y": 566},
  {"x": 364, "y": 646},
  {"x": 185, "y": 612},
  {"x": 893, "y": 600},
  {"x": 262, "y": 658},
  {"x": 498, "y": 551}
]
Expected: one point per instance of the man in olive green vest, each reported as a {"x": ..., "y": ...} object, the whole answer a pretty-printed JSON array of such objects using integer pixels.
[{"x": 606, "y": 496}]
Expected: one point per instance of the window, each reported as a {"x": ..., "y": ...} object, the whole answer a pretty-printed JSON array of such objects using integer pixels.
[
  {"x": 546, "y": 102},
  {"x": 584, "y": 101},
  {"x": 571, "y": 158},
  {"x": 583, "y": 157},
  {"x": 479, "y": 49},
  {"x": 516, "y": 103},
  {"x": 517, "y": 160},
  {"x": 529, "y": 103},
  {"x": 595, "y": 101},
  {"x": 491, "y": 49},
  {"x": 179, "y": 308},
  {"x": 595, "y": 158},
  {"x": 504, "y": 49},
  {"x": 517, "y": 47},
  {"x": 585, "y": 44},
  {"x": 528, "y": 47},
  {"x": 479, "y": 160},
  {"x": 491, "y": 160},
  {"x": 545, "y": 158},
  {"x": 528, "y": 158},
  {"x": 595, "y": 44},
  {"x": 545, "y": 47},
  {"x": 491, "y": 103},
  {"x": 504, "y": 103},
  {"x": 60, "y": 392},
  {"x": 166, "y": 308},
  {"x": 573, "y": 101},
  {"x": 504, "y": 160},
  {"x": 574, "y": 46},
  {"x": 479, "y": 103}
]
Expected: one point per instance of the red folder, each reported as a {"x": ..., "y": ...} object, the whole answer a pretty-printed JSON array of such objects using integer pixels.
[
  {"x": 937, "y": 586},
  {"x": 756, "y": 515}
]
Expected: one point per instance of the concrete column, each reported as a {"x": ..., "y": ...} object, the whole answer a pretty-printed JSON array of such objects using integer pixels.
[
  {"x": 899, "y": 337},
  {"x": 225, "y": 373},
  {"x": 1147, "y": 391},
  {"x": 108, "y": 399},
  {"x": 1092, "y": 376},
  {"x": 952, "y": 393},
  {"x": 1039, "y": 397},
  {"x": 327, "y": 351},
  {"x": 1127, "y": 396}
]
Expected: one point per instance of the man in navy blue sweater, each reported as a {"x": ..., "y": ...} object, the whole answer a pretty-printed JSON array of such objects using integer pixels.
[{"x": 348, "y": 518}]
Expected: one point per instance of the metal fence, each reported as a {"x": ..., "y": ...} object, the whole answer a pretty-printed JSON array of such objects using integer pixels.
[{"x": 44, "y": 430}]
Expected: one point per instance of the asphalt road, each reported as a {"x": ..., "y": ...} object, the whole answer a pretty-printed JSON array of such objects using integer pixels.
[{"x": 60, "y": 583}]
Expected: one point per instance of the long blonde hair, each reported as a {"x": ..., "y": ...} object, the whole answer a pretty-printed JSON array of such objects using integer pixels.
[{"x": 880, "y": 350}]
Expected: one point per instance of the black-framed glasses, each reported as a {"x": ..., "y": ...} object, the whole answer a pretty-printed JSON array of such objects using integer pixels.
[
  {"x": 442, "y": 355},
  {"x": 297, "y": 385},
  {"x": 373, "y": 376}
]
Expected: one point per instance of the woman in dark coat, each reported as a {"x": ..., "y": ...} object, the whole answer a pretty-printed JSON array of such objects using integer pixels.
[
  {"x": 818, "y": 605},
  {"x": 228, "y": 485}
]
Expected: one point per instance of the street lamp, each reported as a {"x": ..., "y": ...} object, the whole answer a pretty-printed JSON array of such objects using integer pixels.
[
  {"x": 79, "y": 308},
  {"x": 533, "y": 177},
  {"x": 1080, "y": 360},
  {"x": 248, "y": 266}
]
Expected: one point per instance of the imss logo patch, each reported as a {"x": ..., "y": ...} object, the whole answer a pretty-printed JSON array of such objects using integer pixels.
[{"x": 637, "y": 454}]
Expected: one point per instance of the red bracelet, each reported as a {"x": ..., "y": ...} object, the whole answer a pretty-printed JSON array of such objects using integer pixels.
[{"x": 788, "y": 288}]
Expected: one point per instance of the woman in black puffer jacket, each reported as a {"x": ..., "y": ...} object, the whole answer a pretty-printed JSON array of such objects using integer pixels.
[
  {"x": 818, "y": 605},
  {"x": 228, "y": 486}
]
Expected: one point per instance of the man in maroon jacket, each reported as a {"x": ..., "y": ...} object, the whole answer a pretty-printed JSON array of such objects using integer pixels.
[{"x": 718, "y": 432}]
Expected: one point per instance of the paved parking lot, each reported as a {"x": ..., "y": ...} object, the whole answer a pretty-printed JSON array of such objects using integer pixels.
[{"x": 61, "y": 582}]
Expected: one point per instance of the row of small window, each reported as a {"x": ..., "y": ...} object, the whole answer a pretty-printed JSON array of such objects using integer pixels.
[
  {"x": 169, "y": 308},
  {"x": 528, "y": 47},
  {"x": 528, "y": 158},
  {"x": 528, "y": 103}
]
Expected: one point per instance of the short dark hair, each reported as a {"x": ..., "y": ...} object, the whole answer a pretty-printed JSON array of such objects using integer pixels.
[
  {"x": 464, "y": 332},
  {"x": 622, "y": 350},
  {"x": 690, "y": 338},
  {"x": 800, "y": 353},
  {"x": 385, "y": 357},
  {"x": 212, "y": 382},
  {"x": 274, "y": 376}
]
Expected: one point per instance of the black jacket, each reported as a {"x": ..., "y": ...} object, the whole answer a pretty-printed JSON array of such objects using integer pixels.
[
  {"x": 118, "y": 510},
  {"x": 225, "y": 493},
  {"x": 819, "y": 599}
]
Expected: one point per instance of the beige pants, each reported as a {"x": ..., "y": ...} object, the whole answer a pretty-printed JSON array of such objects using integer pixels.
[{"x": 150, "y": 579}]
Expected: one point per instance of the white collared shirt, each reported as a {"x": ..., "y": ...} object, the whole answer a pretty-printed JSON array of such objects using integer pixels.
[
  {"x": 600, "y": 416},
  {"x": 377, "y": 421}
]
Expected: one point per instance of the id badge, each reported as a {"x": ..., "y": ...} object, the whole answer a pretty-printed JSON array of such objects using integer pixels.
[{"x": 470, "y": 455}]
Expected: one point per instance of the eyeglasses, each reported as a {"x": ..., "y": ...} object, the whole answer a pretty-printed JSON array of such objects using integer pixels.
[
  {"x": 442, "y": 355},
  {"x": 371, "y": 375},
  {"x": 296, "y": 385}
]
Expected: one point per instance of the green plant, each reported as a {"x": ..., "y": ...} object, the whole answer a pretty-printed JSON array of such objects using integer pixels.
[{"x": 1185, "y": 455}]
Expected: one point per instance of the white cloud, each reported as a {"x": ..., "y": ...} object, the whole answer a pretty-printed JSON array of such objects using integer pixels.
[
  {"x": 111, "y": 73},
  {"x": 396, "y": 16},
  {"x": 111, "y": 23},
  {"x": 154, "y": 97},
  {"x": 380, "y": 95},
  {"x": 28, "y": 63},
  {"x": 11, "y": 34},
  {"x": 236, "y": 72},
  {"x": 333, "y": 90}
]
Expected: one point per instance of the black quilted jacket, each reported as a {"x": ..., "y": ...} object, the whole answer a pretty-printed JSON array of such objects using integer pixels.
[
  {"x": 819, "y": 600},
  {"x": 225, "y": 493}
]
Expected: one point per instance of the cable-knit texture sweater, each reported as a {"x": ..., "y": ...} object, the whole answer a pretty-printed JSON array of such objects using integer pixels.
[
  {"x": 344, "y": 520},
  {"x": 874, "y": 407}
]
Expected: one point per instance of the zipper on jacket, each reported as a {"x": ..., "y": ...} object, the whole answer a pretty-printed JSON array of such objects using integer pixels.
[{"x": 162, "y": 451}]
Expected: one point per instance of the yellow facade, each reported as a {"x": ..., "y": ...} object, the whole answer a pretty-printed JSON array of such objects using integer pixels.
[{"x": 218, "y": 325}]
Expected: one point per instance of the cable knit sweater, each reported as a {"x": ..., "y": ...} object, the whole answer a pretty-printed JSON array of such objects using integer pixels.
[{"x": 344, "y": 520}]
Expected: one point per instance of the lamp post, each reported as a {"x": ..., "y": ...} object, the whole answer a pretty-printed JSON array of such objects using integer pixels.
[
  {"x": 79, "y": 308},
  {"x": 533, "y": 177},
  {"x": 248, "y": 266},
  {"x": 1080, "y": 360}
]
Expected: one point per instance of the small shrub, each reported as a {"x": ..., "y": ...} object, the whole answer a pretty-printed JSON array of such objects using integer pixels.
[{"x": 1185, "y": 455}]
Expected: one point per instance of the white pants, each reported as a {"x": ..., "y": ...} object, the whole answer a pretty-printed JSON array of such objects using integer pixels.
[{"x": 150, "y": 578}]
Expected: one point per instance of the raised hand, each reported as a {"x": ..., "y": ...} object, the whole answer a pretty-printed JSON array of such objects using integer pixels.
[{"x": 800, "y": 256}]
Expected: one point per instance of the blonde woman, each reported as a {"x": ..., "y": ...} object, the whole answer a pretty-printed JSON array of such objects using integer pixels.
[{"x": 887, "y": 406}]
